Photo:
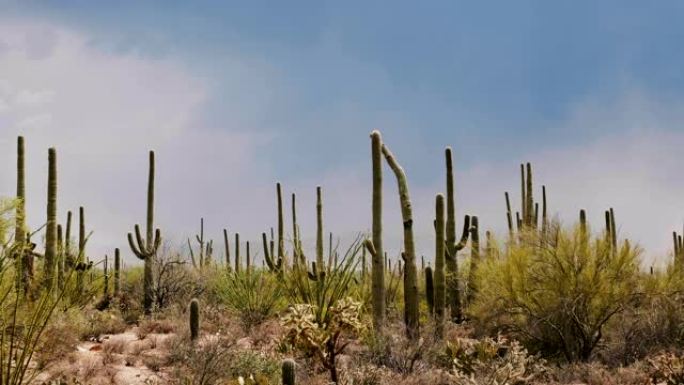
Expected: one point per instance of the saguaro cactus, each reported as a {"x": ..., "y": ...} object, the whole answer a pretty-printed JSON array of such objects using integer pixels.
[
  {"x": 452, "y": 247},
  {"x": 238, "y": 263},
  {"x": 69, "y": 262},
  {"x": 275, "y": 265},
  {"x": 81, "y": 266},
  {"x": 60, "y": 257},
  {"x": 227, "y": 247},
  {"x": 194, "y": 319},
  {"x": 23, "y": 256},
  {"x": 51, "y": 227},
  {"x": 289, "y": 373},
  {"x": 105, "y": 289},
  {"x": 440, "y": 287},
  {"x": 411, "y": 314},
  {"x": 429, "y": 290},
  {"x": 375, "y": 246},
  {"x": 147, "y": 249},
  {"x": 281, "y": 237},
  {"x": 319, "y": 230},
  {"x": 474, "y": 258},
  {"x": 117, "y": 272}
]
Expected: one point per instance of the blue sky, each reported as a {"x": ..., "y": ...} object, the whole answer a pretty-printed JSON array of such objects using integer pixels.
[{"x": 303, "y": 84}]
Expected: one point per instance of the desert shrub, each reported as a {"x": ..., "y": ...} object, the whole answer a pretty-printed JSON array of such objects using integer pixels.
[
  {"x": 653, "y": 322},
  {"x": 392, "y": 349},
  {"x": 98, "y": 323},
  {"x": 254, "y": 296},
  {"x": 556, "y": 291}
]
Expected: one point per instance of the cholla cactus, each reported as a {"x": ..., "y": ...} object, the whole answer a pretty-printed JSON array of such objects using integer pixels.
[{"x": 323, "y": 339}]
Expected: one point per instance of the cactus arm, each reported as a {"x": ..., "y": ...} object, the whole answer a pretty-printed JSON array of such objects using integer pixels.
[{"x": 192, "y": 254}]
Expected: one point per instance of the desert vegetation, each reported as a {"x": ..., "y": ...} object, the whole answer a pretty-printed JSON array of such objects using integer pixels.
[{"x": 546, "y": 302}]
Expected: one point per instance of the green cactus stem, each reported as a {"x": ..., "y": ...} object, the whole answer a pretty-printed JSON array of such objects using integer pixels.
[
  {"x": 60, "y": 257},
  {"x": 23, "y": 255},
  {"x": 452, "y": 248},
  {"x": 146, "y": 250},
  {"x": 474, "y": 258},
  {"x": 281, "y": 237},
  {"x": 227, "y": 249},
  {"x": 275, "y": 266},
  {"x": 238, "y": 262},
  {"x": 194, "y": 319},
  {"x": 411, "y": 313},
  {"x": 289, "y": 372},
  {"x": 439, "y": 274},
  {"x": 117, "y": 272},
  {"x": 429, "y": 290},
  {"x": 319, "y": 229},
  {"x": 50, "y": 263},
  {"x": 375, "y": 246}
]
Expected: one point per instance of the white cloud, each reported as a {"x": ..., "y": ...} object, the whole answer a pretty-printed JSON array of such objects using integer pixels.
[{"x": 104, "y": 110}]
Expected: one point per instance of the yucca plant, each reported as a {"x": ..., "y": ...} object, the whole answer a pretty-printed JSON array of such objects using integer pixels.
[
  {"x": 255, "y": 295},
  {"x": 323, "y": 290}
]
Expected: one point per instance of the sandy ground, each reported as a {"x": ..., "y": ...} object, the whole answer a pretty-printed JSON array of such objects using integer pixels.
[{"x": 120, "y": 359}]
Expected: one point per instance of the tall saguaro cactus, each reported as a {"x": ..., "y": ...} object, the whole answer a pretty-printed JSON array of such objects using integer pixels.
[
  {"x": 60, "y": 257},
  {"x": 319, "y": 230},
  {"x": 281, "y": 237},
  {"x": 411, "y": 313},
  {"x": 452, "y": 247},
  {"x": 51, "y": 227},
  {"x": 440, "y": 287},
  {"x": 375, "y": 246},
  {"x": 147, "y": 249},
  {"x": 474, "y": 258},
  {"x": 117, "y": 272},
  {"x": 23, "y": 256},
  {"x": 226, "y": 244}
]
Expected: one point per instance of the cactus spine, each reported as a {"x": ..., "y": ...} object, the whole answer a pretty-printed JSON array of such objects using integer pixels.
[
  {"x": 51, "y": 228},
  {"x": 374, "y": 246},
  {"x": 147, "y": 249},
  {"x": 411, "y": 314},
  {"x": 194, "y": 319},
  {"x": 452, "y": 248},
  {"x": 117, "y": 272},
  {"x": 439, "y": 278},
  {"x": 289, "y": 374}
]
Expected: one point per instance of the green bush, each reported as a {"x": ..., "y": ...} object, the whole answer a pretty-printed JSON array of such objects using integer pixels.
[
  {"x": 255, "y": 295},
  {"x": 556, "y": 291}
]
